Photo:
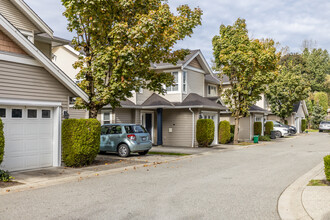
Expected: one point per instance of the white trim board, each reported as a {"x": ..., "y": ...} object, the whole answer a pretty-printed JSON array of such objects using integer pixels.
[
  {"x": 15, "y": 102},
  {"x": 18, "y": 59},
  {"x": 30, "y": 48}
]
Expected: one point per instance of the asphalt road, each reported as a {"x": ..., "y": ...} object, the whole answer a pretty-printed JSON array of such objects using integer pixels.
[{"x": 236, "y": 184}]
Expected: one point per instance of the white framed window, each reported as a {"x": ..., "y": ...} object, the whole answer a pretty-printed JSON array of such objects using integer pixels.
[
  {"x": 258, "y": 119},
  {"x": 106, "y": 117},
  {"x": 3, "y": 113},
  {"x": 184, "y": 82},
  {"x": 32, "y": 113},
  {"x": 16, "y": 113},
  {"x": 46, "y": 114},
  {"x": 175, "y": 86},
  {"x": 211, "y": 90}
]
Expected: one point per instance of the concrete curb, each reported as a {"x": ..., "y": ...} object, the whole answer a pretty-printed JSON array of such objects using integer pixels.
[
  {"x": 84, "y": 175},
  {"x": 290, "y": 206}
]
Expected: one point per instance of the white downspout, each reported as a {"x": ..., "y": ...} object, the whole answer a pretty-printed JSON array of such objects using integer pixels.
[{"x": 193, "y": 128}]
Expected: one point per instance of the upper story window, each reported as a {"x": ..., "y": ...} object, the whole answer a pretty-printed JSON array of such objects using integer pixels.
[
  {"x": 184, "y": 82},
  {"x": 211, "y": 90},
  {"x": 175, "y": 86}
]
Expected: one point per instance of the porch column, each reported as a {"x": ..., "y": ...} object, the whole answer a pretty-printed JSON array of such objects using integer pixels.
[{"x": 159, "y": 126}]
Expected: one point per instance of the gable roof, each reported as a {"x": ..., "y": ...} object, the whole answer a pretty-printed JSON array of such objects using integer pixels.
[
  {"x": 195, "y": 100},
  {"x": 32, "y": 16},
  {"x": 255, "y": 108},
  {"x": 212, "y": 79},
  {"x": 30, "y": 49},
  {"x": 185, "y": 62},
  {"x": 156, "y": 100}
]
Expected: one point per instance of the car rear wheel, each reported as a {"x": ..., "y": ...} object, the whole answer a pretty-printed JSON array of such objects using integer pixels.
[
  {"x": 123, "y": 150},
  {"x": 278, "y": 134},
  {"x": 143, "y": 152}
]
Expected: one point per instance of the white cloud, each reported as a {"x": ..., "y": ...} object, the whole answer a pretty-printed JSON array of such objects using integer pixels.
[{"x": 286, "y": 21}]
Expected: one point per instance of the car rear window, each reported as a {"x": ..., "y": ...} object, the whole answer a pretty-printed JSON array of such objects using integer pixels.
[
  {"x": 325, "y": 122},
  {"x": 131, "y": 129}
]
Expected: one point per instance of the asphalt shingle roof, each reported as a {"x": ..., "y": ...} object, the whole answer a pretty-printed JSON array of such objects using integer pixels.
[
  {"x": 180, "y": 62},
  {"x": 157, "y": 100},
  {"x": 194, "y": 99}
]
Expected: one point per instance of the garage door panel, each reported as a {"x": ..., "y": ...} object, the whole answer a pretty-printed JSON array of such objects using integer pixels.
[
  {"x": 28, "y": 141},
  {"x": 14, "y": 147}
]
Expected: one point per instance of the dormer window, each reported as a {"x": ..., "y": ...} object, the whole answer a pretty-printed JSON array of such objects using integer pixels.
[
  {"x": 211, "y": 90},
  {"x": 175, "y": 86}
]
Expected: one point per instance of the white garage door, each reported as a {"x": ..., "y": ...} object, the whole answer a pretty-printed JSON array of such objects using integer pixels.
[{"x": 28, "y": 137}]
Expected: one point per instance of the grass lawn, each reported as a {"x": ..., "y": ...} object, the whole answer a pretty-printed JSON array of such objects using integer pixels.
[
  {"x": 318, "y": 183},
  {"x": 312, "y": 130},
  {"x": 168, "y": 153}
]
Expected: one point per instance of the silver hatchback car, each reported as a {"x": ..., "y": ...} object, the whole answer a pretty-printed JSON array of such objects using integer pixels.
[
  {"x": 125, "y": 139},
  {"x": 324, "y": 126}
]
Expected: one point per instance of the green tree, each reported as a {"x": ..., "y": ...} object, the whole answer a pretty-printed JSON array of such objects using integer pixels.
[
  {"x": 318, "y": 115},
  {"x": 321, "y": 98},
  {"x": 317, "y": 67},
  {"x": 120, "y": 39},
  {"x": 250, "y": 65},
  {"x": 289, "y": 87}
]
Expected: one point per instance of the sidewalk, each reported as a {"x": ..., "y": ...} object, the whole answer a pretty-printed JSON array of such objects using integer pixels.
[{"x": 299, "y": 201}]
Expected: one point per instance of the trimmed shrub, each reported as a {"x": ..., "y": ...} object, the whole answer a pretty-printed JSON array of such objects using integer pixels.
[
  {"x": 2, "y": 142},
  {"x": 303, "y": 125},
  {"x": 5, "y": 176},
  {"x": 257, "y": 128},
  {"x": 264, "y": 138},
  {"x": 327, "y": 166},
  {"x": 224, "y": 132},
  {"x": 80, "y": 141},
  {"x": 205, "y": 132},
  {"x": 269, "y": 126},
  {"x": 286, "y": 122}
]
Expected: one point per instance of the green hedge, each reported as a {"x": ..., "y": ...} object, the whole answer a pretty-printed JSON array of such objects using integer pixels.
[
  {"x": 80, "y": 141},
  {"x": 205, "y": 132},
  {"x": 2, "y": 142},
  {"x": 327, "y": 167},
  {"x": 269, "y": 126},
  {"x": 264, "y": 138},
  {"x": 286, "y": 122},
  {"x": 232, "y": 129},
  {"x": 224, "y": 132},
  {"x": 303, "y": 125},
  {"x": 257, "y": 128}
]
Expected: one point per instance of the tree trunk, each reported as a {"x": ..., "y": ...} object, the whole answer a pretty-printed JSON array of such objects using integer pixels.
[
  {"x": 236, "y": 129},
  {"x": 93, "y": 112}
]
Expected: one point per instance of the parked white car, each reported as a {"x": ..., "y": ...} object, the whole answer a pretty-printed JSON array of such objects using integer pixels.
[
  {"x": 324, "y": 126},
  {"x": 281, "y": 129}
]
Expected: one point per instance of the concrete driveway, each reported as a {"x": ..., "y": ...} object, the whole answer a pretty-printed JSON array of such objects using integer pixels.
[{"x": 234, "y": 184}]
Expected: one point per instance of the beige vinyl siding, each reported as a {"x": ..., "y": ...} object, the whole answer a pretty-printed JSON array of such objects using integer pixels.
[
  {"x": 194, "y": 63},
  {"x": 65, "y": 60},
  {"x": 123, "y": 115},
  {"x": 14, "y": 16},
  {"x": 78, "y": 113},
  {"x": 46, "y": 48},
  {"x": 181, "y": 123},
  {"x": 25, "y": 82},
  {"x": 195, "y": 82}
]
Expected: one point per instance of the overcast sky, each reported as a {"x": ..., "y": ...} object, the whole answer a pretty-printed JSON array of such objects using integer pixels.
[{"x": 288, "y": 22}]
